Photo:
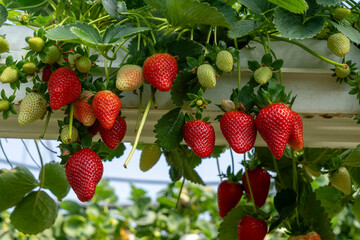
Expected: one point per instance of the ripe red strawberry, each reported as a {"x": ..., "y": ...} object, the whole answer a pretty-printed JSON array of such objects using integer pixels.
[
  {"x": 112, "y": 137},
  {"x": 239, "y": 130},
  {"x": 46, "y": 73},
  {"x": 84, "y": 170},
  {"x": 260, "y": 184},
  {"x": 64, "y": 87},
  {"x": 310, "y": 236},
  {"x": 200, "y": 137},
  {"x": 274, "y": 124},
  {"x": 93, "y": 129},
  {"x": 160, "y": 71},
  {"x": 228, "y": 195},
  {"x": 250, "y": 228},
  {"x": 296, "y": 136},
  {"x": 106, "y": 106},
  {"x": 83, "y": 111}
]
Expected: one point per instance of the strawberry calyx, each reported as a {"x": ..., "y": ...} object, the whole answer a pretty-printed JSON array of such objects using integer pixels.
[
  {"x": 199, "y": 103},
  {"x": 345, "y": 73}
]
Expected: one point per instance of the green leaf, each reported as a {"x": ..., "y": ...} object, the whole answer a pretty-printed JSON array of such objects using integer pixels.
[
  {"x": 116, "y": 153},
  {"x": 148, "y": 219},
  {"x": 353, "y": 160},
  {"x": 35, "y": 213},
  {"x": 3, "y": 14},
  {"x": 14, "y": 184},
  {"x": 55, "y": 180},
  {"x": 330, "y": 199},
  {"x": 75, "y": 225},
  {"x": 104, "y": 192},
  {"x": 293, "y": 26},
  {"x": 257, "y": 6},
  {"x": 285, "y": 204},
  {"x": 328, "y": 3},
  {"x": 89, "y": 38},
  {"x": 228, "y": 227},
  {"x": 61, "y": 34},
  {"x": 70, "y": 206},
  {"x": 115, "y": 34},
  {"x": 356, "y": 208},
  {"x": 168, "y": 202},
  {"x": 295, "y": 6},
  {"x": 242, "y": 28},
  {"x": 348, "y": 30},
  {"x": 355, "y": 174},
  {"x": 112, "y": 7},
  {"x": 184, "y": 160},
  {"x": 189, "y": 12},
  {"x": 181, "y": 87},
  {"x": 169, "y": 129}
]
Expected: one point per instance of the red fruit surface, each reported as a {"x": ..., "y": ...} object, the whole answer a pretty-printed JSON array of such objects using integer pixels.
[
  {"x": 310, "y": 236},
  {"x": 296, "y": 140},
  {"x": 274, "y": 124},
  {"x": 93, "y": 129},
  {"x": 106, "y": 106},
  {"x": 228, "y": 195},
  {"x": 160, "y": 71},
  {"x": 200, "y": 137},
  {"x": 84, "y": 170},
  {"x": 112, "y": 137},
  {"x": 46, "y": 73},
  {"x": 64, "y": 87},
  {"x": 250, "y": 228},
  {"x": 260, "y": 183},
  {"x": 83, "y": 111},
  {"x": 239, "y": 130}
]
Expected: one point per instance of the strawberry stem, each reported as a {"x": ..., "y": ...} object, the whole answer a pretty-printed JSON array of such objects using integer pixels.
[
  {"x": 6, "y": 157},
  {"x": 142, "y": 123},
  {"x": 238, "y": 65},
  {"x": 208, "y": 38},
  {"x": 308, "y": 50},
  {"x": 249, "y": 186},
  {"x": 46, "y": 124},
  {"x": 71, "y": 121},
  {"x": 215, "y": 28},
  {"x": 178, "y": 198},
  {"x": 232, "y": 161},
  {"x": 42, "y": 176},
  {"x": 295, "y": 183},
  {"x": 106, "y": 71},
  {"x": 218, "y": 168},
  {"x": 140, "y": 108},
  {"x": 277, "y": 171}
]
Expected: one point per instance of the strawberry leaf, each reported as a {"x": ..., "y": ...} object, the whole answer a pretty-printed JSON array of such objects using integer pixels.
[
  {"x": 55, "y": 179},
  {"x": 353, "y": 159},
  {"x": 181, "y": 87},
  {"x": 3, "y": 14},
  {"x": 169, "y": 129},
  {"x": 331, "y": 200},
  {"x": 257, "y": 6},
  {"x": 327, "y": 3},
  {"x": 348, "y": 30},
  {"x": 242, "y": 28},
  {"x": 295, "y": 6}
]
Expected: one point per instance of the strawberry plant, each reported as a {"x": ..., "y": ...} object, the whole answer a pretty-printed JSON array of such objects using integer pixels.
[{"x": 88, "y": 61}]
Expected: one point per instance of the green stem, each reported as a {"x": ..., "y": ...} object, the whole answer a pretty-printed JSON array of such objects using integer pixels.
[
  {"x": 263, "y": 43},
  {"x": 249, "y": 186},
  {"x": 42, "y": 177},
  {"x": 308, "y": 50},
  {"x": 45, "y": 125},
  {"x": 232, "y": 161},
  {"x": 215, "y": 30},
  {"x": 208, "y": 37},
  {"x": 32, "y": 6},
  {"x": 277, "y": 171},
  {"x": 6, "y": 157},
  {"x": 106, "y": 72},
  {"x": 192, "y": 34},
  {"x": 99, "y": 19},
  {"x": 122, "y": 61},
  {"x": 178, "y": 198},
  {"x": 295, "y": 182},
  {"x": 71, "y": 122},
  {"x": 137, "y": 137},
  {"x": 238, "y": 65},
  {"x": 140, "y": 109},
  {"x": 218, "y": 168}
]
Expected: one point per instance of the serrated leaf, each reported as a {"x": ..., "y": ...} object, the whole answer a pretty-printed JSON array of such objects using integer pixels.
[
  {"x": 330, "y": 199},
  {"x": 35, "y": 213},
  {"x": 174, "y": 174},
  {"x": 116, "y": 33},
  {"x": 14, "y": 184},
  {"x": 327, "y": 3},
  {"x": 292, "y": 25},
  {"x": 242, "y": 28},
  {"x": 266, "y": 59},
  {"x": 353, "y": 160},
  {"x": 257, "y": 6},
  {"x": 229, "y": 12},
  {"x": 55, "y": 180},
  {"x": 348, "y": 30},
  {"x": 116, "y": 153},
  {"x": 61, "y": 34},
  {"x": 3, "y": 14},
  {"x": 355, "y": 174},
  {"x": 184, "y": 160},
  {"x": 112, "y": 6},
  {"x": 295, "y": 6},
  {"x": 189, "y": 12},
  {"x": 86, "y": 37},
  {"x": 218, "y": 150},
  {"x": 181, "y": 87},
  {"x": 168, "y": 129}
]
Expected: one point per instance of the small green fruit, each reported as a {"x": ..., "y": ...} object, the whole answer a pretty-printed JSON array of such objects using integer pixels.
[
  {"x": 53, "y": 55},
  {"x": 9, "y": 75},
  {"x": 224, "y": 61},
  {"x": 4, "y": 105},
  {"x": 342, "y": 72},
  {"x": 263, "y": 75},
  {"x": 32, "y": 108},
  {"x": 341, "y": 180},
  {"x": 29, "y": 68},
  {"x": 36, "y": 44},
  {"x": 64, "y": 135},
  {"x": 206, "y": 75},
  {"x": 83, "y": 64},
  {"x": 338, "y": 44},
  {"x": 341, "y": 13},
  {"x": 4, "y": 45}
]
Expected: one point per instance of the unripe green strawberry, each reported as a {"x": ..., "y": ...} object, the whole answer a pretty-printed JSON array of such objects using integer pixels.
[
  {"x": 129, "y": 77},
  {"x": 206, "y": 75},
  {"x": 4, "y": 45},
  {"x": 341, "y": 180},
  {"x": 4, "y": 105},
  {"x": 83, "y": 64},
  {"x": 342, "y": 72},
  {"x": 149, "y": 156},
  {"x": 36, "y": 44},
  {"x": 224, "y": 61},
  {"x": 341, "y": 13},
  {"x": 29, "y": 68},
  {"x": 263, "y": 75},
  {"x": 32, "y": 108},
  {"x": 9, "y": 75},
  {"x": 53, "y": 55},
  {"x": 338, "y": 44},
  {"x": 64, "y": 135}
]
